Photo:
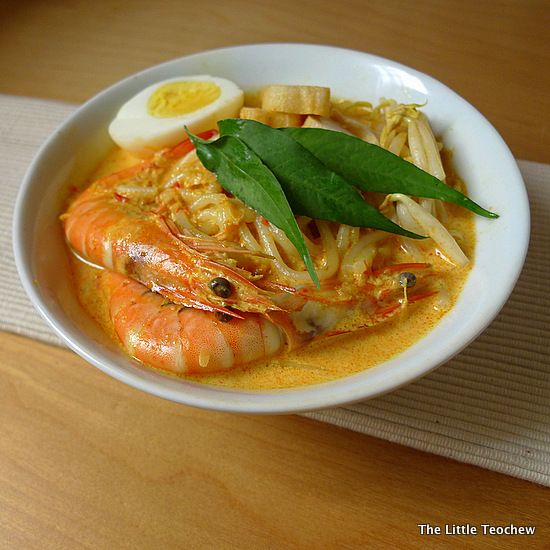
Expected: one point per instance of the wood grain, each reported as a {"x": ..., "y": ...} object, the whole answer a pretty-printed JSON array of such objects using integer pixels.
[
  {"x": 86, "y": 462},
  {"x": 89, "y": 462},
  {"x": 495, "y": 54}
]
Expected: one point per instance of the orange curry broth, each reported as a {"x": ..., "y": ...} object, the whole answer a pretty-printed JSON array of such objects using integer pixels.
[{"x": 324, "y": 359}]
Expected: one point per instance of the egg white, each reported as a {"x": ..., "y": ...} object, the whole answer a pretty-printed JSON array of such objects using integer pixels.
[{"x": 140, "y": 133}]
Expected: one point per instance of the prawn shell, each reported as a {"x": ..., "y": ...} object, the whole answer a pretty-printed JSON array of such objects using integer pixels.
[
  {"x": 184, "y": 340},
  {"x": 109, "y": 230}
]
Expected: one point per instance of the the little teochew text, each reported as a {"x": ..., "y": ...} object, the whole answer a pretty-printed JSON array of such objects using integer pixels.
[{"x": 483, "y": 529}]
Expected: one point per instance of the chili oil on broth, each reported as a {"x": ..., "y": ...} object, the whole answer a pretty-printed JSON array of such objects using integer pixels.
[{"x": 323, "y": 359}]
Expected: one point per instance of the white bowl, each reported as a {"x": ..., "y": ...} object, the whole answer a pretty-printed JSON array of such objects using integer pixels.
[{"x": 482, "y": 159}]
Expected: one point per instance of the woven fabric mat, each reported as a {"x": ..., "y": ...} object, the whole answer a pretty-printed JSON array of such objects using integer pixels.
[{"x": 489, "y": 406}]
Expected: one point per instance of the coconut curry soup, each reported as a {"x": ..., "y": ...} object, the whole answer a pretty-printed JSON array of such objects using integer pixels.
[{"x": 291, "y": 240}]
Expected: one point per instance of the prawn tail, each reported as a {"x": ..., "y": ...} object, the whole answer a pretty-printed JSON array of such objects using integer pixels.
[{"x": 183, "y": 340}]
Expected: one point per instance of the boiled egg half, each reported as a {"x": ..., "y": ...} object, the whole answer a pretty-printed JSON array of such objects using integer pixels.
[{"x": 157, "y": 116}]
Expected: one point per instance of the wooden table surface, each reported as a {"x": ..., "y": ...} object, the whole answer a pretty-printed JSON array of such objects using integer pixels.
[{"x": 88, "y": 462}]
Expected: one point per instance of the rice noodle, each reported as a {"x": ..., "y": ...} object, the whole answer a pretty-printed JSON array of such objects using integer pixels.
[
  {"x": 343, "y": 237},
  {"x": 284, "y": 243},
  {"x": 135, "y": 190},
  {"x": 184, "y": 223},
  {"x": 327, "y": 267},
  {"x": 248, "y": 240},
  {"x": 207, "y": 200},
  {"x": 201, "y": 208},
  {"x": 169, "y": 182},
  {"x": 360, "y": 256}
]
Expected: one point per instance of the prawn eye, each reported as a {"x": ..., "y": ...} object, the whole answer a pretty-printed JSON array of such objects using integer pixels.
[
  {"x": 407, "y": 279},
  {"x": 221, "y": 287},
  {"x": 223, "y": 317}
]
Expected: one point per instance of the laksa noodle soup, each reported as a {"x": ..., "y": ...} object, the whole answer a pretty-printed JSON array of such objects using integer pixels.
[{"x": 289, "y": 239}]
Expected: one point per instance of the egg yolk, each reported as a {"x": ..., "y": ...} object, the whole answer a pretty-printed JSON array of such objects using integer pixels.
[{"x": 181, "y": 98}]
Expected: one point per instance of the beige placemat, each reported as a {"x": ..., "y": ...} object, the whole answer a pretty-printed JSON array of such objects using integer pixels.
[{"x": 489, "y": 406}]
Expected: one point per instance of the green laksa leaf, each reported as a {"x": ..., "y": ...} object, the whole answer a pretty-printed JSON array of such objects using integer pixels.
[
  {"x": 241, "y": 172},
  {"x": 311, "y": 188},
  {"x": 372, "y": 168}
]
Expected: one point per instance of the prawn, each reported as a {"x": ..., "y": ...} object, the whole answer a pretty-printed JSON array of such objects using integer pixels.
[
  {"x": 183, "y": 340},
  {"x": 130, "y": 237}
]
